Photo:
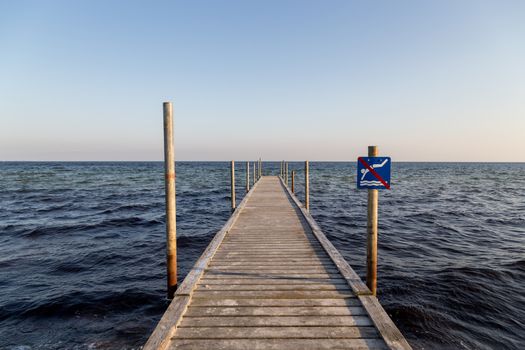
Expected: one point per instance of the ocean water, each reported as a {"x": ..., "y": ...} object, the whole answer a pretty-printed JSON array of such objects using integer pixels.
[{"x": 82, "y": 247}]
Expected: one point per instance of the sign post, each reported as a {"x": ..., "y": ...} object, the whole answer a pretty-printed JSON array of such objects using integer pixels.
[{"x": 373, "y": 173}]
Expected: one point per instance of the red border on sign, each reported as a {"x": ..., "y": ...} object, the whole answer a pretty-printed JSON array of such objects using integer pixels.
[{"x": 365, "y": 164}]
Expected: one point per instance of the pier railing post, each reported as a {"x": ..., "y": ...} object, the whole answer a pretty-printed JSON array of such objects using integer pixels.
[
  {"x": 371, "y": 228},
  {"x": 260, "y": 168},
  {"x": 169, "y": 184},
  {"x": 281, "y": 170},
  {"x": 293, "y": 181},
  {"x": 286, "y": 173},
  {"x": 254, "y": 169},
  {"x": 247, "y": 177},
  {"x": 307, "y": 185},
  {"x": 232, "y": 172}
]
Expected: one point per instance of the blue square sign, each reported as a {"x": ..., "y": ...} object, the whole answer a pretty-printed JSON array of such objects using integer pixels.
[{"x": 373, "y": 172}]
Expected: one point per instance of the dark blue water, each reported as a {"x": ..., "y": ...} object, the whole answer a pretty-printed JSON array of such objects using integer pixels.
[{"x": 82, "y": 247}]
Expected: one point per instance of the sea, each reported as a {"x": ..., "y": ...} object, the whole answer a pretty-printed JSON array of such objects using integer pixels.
[{"x": 82, "y": 247}]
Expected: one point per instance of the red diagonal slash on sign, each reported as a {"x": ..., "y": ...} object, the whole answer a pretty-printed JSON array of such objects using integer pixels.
[{"x": 370, "y": 169}]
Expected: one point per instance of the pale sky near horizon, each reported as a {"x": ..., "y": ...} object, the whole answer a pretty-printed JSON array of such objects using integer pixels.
[{"x": 318, "y": 80}]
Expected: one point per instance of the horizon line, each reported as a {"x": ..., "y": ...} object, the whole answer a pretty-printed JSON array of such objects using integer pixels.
[{"x": 268, "y": 161}]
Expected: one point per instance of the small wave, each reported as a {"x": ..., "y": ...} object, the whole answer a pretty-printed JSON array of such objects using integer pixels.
[
  {"x": 134, "y": 221},
  {"x": 130, "y": 207},
  {"x": 84, "y": 303}
]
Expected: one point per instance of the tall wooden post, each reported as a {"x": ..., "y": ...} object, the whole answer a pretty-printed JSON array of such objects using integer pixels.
[
  {"x": 169, "y": 184},
  {"x": 260, "y": 168},
  {"x": 371, "y": 228},
  {"x": 254, "y": 179},
  {"x": 232, "y": 172},
  {"x": 293, "y": 181},
  {"x": 307, "y": 185},
  {"x": 247, "y": 176},
  {"x": 281, "y": 173},
  {"x": 286, "y": 170}
]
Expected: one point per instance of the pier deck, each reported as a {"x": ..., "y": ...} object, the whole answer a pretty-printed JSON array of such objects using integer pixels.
[{"x": 271, "y": 280}]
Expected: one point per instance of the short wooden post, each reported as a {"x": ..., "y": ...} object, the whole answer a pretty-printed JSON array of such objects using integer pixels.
[
  {"x": 293, "y": 181},
  {"x": 169, "y": 184},
  {"x": 307, "y": 185},
  {"x": 247, "y": 177},
  {"x": 371, "y": 228},
  {"x": 232, "y": 172}
]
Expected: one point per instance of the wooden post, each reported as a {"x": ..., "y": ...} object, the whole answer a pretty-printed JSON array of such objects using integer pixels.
[
  {"x": 286, "y": 169},
  {"x": 293, "y": 181},
  {"x": 371, "y": 228},
  {"x": 306, "y": 186},
  {"x": 247, "y": 177},
  {"x": 169, "y": 184},
  {"x": 260, "y": 168},
  {"x": 254, "y": 179},
  {"x": 232, "y": 171},
  {"x": 281, "y": 173}
]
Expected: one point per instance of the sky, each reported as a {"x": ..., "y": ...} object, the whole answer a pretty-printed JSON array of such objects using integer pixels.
[{"x": 318, "y": 80}]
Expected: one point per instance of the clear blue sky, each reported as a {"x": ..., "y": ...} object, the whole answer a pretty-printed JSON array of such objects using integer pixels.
[{"x": 320, "y": 80}]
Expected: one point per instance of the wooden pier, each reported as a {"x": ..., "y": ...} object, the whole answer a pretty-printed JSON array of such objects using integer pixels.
[{"x": 270, "y": 279}]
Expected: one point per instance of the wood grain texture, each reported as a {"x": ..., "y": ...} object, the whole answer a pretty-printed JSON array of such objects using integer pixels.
[
  {"x": 273, "y": 321},
  {"x": 271, "y": 280},
  {"x": 272, "y": 344}
]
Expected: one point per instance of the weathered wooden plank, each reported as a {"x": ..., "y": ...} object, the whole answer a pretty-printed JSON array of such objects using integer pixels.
[
  {"x": 272, "y": 344},
  {"x": 254, "y": 246},
  {"x": 274, "y": 287},
  {"x": 266, "y": 251},
  {"x": 272, "y": 269},
  {"x": 233, "y": 274},
  {"x": 277, "y": 332},
  {"x": 276, "y": 311},
  {"x": 270, "y": 294},
  {"x": 267, "y": 255},
  {"x": 278, "y": 262},
  {"x": 350, "y": 301},
  {"x": 273, "y": 266},
  {"x": 278, "y": 258},
  {"x": 305, "y": 261},
  {"x": 274, "y": 281},
  {"x": 272, "y": 321},
  {"x": 271, "y": 262}
]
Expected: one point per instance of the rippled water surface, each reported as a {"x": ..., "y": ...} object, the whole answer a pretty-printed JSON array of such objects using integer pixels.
[{"x": 82, "y": 247}]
